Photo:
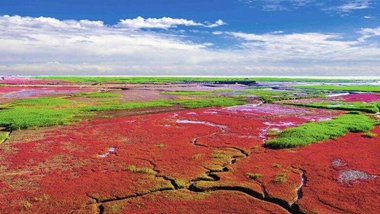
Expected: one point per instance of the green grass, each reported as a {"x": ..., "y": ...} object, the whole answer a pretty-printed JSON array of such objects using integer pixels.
[
  {"x": 144, "y": 170},
  {"x": 369, "y": 135},
  {"x": 131, "y": 105},
  {"x": 312, "y": 132},
  {"x": 136, "y": 80},
  {"x": 100, "y": 79},
  {"x": 281, "y": 177},
  {"x": 51, "y": 111},
  {"x": 42, "y": 102},
  {"x": 363, "y": 88},
  {"x": 99, "y": 95},
  {"x": 22, "y": 118},
  {"x": 253, "y": 176},
  {"x": 3, "y": 136},
  {"x": 269, "y": 96},
  {"x": 37, "y": 112},
  {"x": 372, "y": 107}
]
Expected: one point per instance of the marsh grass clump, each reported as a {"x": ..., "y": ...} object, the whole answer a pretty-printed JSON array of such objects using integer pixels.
[
  {"x": 144, "y": 170},
  {"x": 253, "y": 176},
  {"x": 369, "y": 135},
  {"x": 3, "y": 136},
  {"x": 281, "y": 177},
  {"x": 160, "y": 145},
  {"x": 312, "y": 132}
]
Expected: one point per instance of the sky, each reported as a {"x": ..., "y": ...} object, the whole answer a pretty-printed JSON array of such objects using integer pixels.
[{"x": 191, "y": 38}]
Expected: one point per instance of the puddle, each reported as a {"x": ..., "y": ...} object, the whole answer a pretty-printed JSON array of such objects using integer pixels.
[
  {"x": 337, "y": 95},
  {"x": 247, "y": 107},
  {"x": 200, "y": 122},
  {"x": 35, "y": 93},
  {"x": 338, "y": 163},
  {"x": 353, "y": 176},
  {"x": 279, "y": 124},
  {"x": 334, "y": 105},
  {"x": 112, "y": 150},
  {"x": 210, "y": 112}
]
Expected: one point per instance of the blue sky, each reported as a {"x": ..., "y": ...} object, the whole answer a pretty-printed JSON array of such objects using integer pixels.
[{"x": 168, "y": 37}]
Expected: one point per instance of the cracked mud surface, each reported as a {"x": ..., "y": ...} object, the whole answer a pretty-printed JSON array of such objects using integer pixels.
[{"x": 161, "y": 166}]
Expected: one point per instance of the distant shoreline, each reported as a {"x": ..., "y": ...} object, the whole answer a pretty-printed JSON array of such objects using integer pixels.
[{"x": 208, "y": 76}]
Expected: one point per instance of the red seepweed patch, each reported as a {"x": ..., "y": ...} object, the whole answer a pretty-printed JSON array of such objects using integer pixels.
[
  {"x": 361, "y": 97},
  {"x": 207, "y": 156}
]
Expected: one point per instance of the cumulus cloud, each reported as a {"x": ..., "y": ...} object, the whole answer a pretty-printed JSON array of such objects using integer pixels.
[
  {"x": 43, "y": 45},
  {"x": 164, "y": 23}
]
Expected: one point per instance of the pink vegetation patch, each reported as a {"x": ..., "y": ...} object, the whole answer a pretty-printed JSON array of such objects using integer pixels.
[
  {"x": 15, "y": 80},
  {"x": 26, "y": 92},
  {"x": 362, "y": 97}
]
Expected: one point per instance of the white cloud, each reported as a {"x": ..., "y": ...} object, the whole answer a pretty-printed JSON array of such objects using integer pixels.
[
  {"x": 50, "y": 46},
  {"x": 216, "y": 24},
  {"x": 163, "y": 23},
  {"x": 217, "y": 32},
  {"x": 278, "y": 5},
  {"x": 307, "y": 46},
  {"x": 368, "y": 33},
  {"x": 354, "y": 5},
  {"x": 344, "y": 6},
  {"x": 348, "y": 6},
  {"x": 369, "y": 17}
]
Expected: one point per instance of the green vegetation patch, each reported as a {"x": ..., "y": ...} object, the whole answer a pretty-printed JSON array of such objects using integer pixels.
[
  {"x": 36, "y": 112},
  {"x": 312, "y": 132},
  {"x": 50, "y": 111},
  {"x": 269, "y": 95},
  {"x": 369, "y": 135},
  {"x": 137, "y": 80},
  {"x": 3, "y": 136},
  {"x": 22, "y": 118},
  {"x": 131, "y": 105},
  {"x": 372, "y": 107},
  {"x": 253, "y": 176},
  {"x": 281, "y": 177},
  {"x": 364, "y": 88},
  {"x": 100, "y": 79},
  {"x": 144, "y": 170},
  {"x": 40, "y": 103},
  {"x": 98, "y": 95}
]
